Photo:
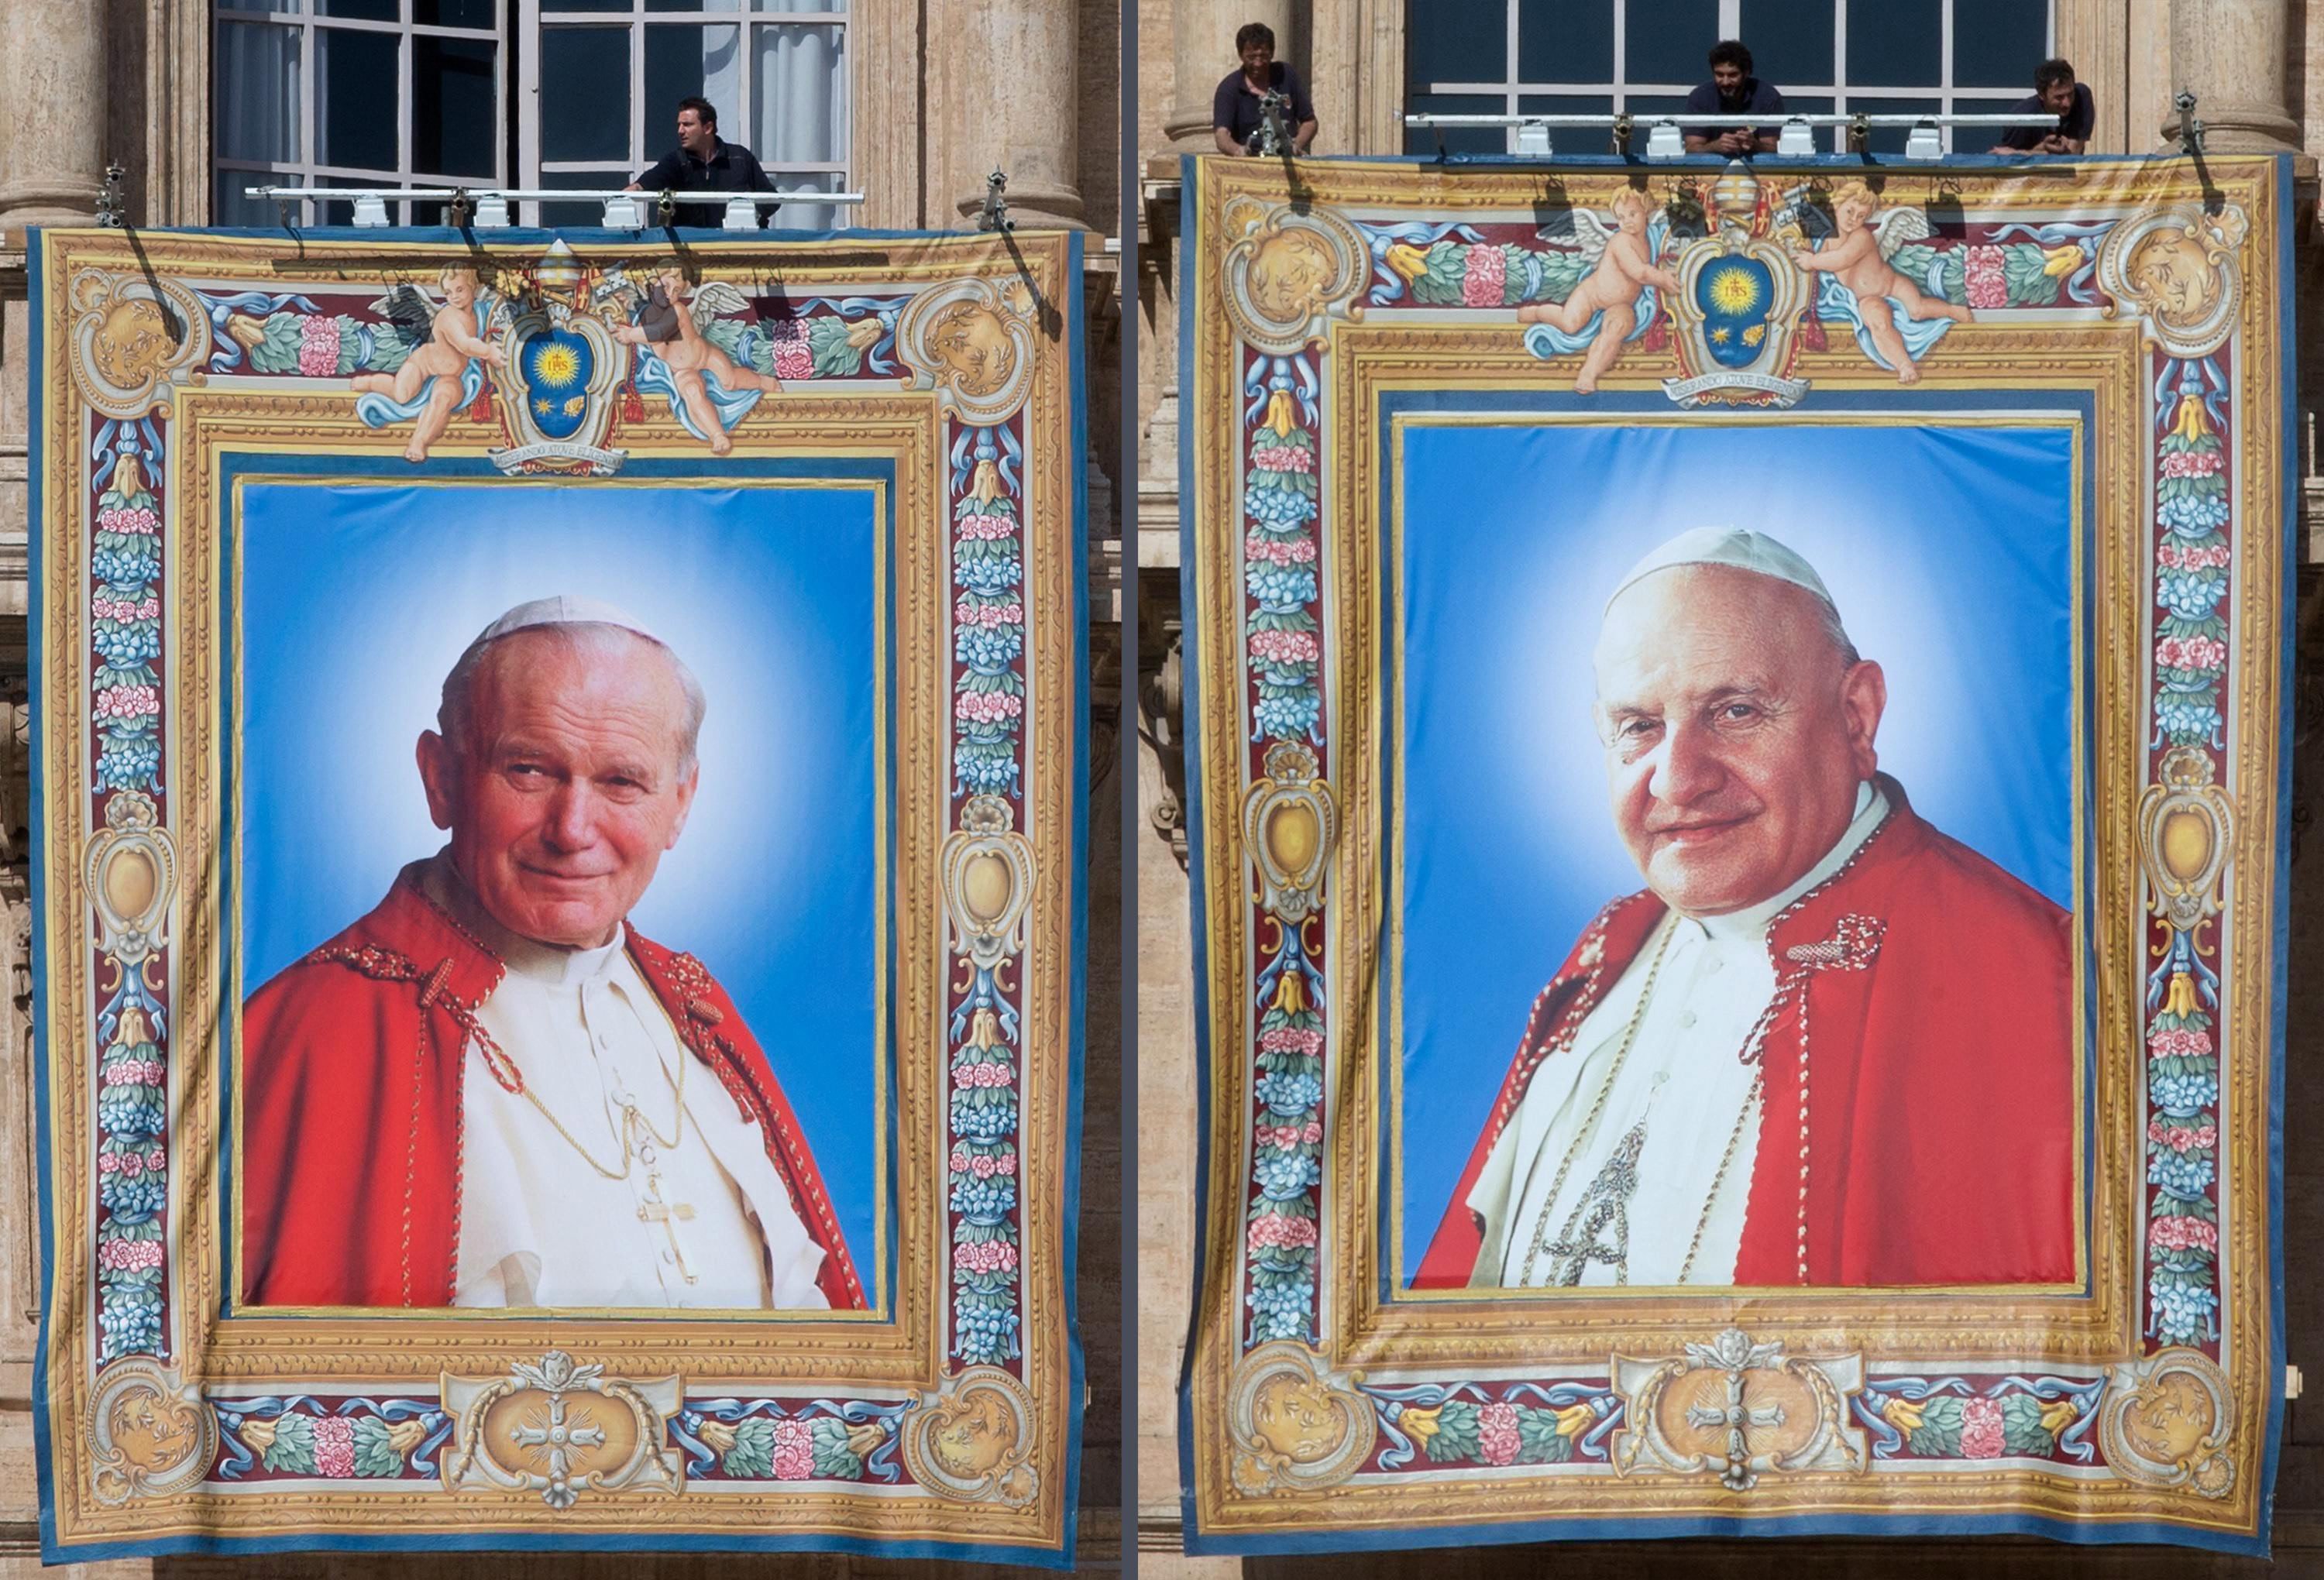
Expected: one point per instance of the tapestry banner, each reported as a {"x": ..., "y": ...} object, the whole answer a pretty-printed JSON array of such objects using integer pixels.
[
  {"x": 1737, "y": 725},
  {"x": 558, "y": 775}
]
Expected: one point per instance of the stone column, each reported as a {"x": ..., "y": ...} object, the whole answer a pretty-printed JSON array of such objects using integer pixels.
[
  {"x": 52, "y": 99},
  {"x": 2230, "y": 55},
  {"x": 1202, "y": 51},
  {"x": 1020, "y": 111}
]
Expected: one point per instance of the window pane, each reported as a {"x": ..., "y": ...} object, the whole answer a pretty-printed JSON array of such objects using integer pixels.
[
  {"x": 804, "y": 216},
  {"x": 683, "y": 62},
  {"x": 478, "y": 13},
  {"x": 1894, "y": 43},
  {"x": 355, "y": 96},
  {"x": 1828, "y": 139},
  {"x": 1791, "y": 42},
  {"x": 1456, "y": 41},
  {"x": 454, "y": 131},
  {"x": 1570, "y": 41},
  {"x": 342, "y": 210},
  {"x": 1997, "y": 43},
  {"x": 553, "y": 5},
  {"x": 361, "y": 9},
  {"x": 1423, "y": 140},
  {"x": 257, "y": 75},
  {"x": 1669, "y": 40},
  {"x": 229, "y": 206},
  {"x": 585, "y": 213},
  {"x": 798, "y": 76},
  {"x": 830, "y": 6},
  {"x": 1568, "y": 139},
  {"x": 690, "y": 4},
  {"x": 585, "y": 113}
]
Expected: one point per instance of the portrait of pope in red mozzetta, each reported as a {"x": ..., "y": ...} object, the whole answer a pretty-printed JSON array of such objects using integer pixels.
[
  {"x": 1762, "y": 1068},
  {"x": 493, "y": 1090}
]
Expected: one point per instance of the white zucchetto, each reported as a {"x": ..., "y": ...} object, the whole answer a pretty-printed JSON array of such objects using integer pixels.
[{"x": 1726, "y": 545}]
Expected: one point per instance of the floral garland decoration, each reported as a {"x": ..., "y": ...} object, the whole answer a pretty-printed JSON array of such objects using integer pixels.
[
  {"x": 132, "y": 1181},
  {"x": 1282, "y": 587},
  {"x": 2192, "y": 569},
  {"x": 1499, "y": 1424},
  {"x": 988, "y": 713},
  {"x": 757, "y": 1439},
  {"x": 358, "y": 1439},
  {"x": 2037, "y": 1417}
]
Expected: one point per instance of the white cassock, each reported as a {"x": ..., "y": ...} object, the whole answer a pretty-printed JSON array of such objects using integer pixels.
[
  {"x": 1652, "y": 1189},
  {"x": 538, "y": 1224}
]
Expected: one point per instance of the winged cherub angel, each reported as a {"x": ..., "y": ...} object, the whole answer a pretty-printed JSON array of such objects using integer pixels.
[
  {"x": 669, "y": 324},
  {"x": 1610, "y": 303},
  {"x": 1858, "y": 275},
  {"x": 441, "y": 372}
]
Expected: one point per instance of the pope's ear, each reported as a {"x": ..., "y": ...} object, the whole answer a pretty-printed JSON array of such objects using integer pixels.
[
  {"x": 1863, "y": 698},
  {"x": 686, "y": 787},
  {"x": 435, "y": 773}
]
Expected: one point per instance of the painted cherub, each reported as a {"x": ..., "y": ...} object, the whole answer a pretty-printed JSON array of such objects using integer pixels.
[
  {"x": 670, "y": 323},
  {"x": 1857, "y": 257},
  {"x": 449, "y": 339},
  {"x": 1625, "y": 268}
]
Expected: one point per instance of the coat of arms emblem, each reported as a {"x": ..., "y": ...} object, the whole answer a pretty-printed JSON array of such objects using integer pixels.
[{"x": 1739, "y": 302}]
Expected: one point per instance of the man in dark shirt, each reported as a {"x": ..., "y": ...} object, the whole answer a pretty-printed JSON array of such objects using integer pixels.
[
  {"x": 2055, "y": 93},
  {"x": 1732, "y": 90},
  {"x": 1235, "y": 112},
  {"x": 703, "y": 163}
]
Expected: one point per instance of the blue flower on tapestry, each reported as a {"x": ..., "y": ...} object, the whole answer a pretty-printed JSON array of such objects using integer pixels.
[
  {"x": 2190, "y": 595},
  {"x": 1290, "y": 1095},
  {"x": 987, "y": 575},
  {"x": 2183, "y": 1095},
  {"x": 1285, "y": 1178},
  {"x": 2181, "y": 1176},
  {"x": 984, "y": 1201}
]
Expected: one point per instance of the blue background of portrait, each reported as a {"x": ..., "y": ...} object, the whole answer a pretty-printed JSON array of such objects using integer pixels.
[
  {"x": 356, "y": 601},
  {"x": 1948, "y": 553}
]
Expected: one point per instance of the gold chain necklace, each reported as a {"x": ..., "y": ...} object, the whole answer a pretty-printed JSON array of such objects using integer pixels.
[
  {"x": 1751, "y": 1100},
  {"x": 1589, "y": 1121},
  {"x": 629, "y": 1110}
]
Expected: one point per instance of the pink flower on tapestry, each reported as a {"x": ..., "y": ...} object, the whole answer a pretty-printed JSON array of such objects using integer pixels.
[
  {"x": 985, "y": 529},
  {"x": 1487, "y": 274},
  {"x": 129, "y": 1256},
  {"x": 958, "y": 1163},
  {"x": 1006, "y": 1163},
  {"x": 2190, "y": 653},
  {"x": 335, "y": 1447},
  {"x": 138, "y": 520},
  {"x": 1274, "y": 1231},
  {"x": 126, "y": 701},
  {"x": 794, "y": 361},
  {"x": 1496, "y": 1434},
  {"x": 1283, "y": 458},
  {"x": 1988, "y": 279},
  {"x": 1279, "y": 551},
  {"x": 1983, "y": 1436},
  {"x": 319, "y": 346},
  {"x": 987, "y": 707},
  {"x": 1291, "y": 1040},
  {"x": 1284, "y": 647},
  {"x": 2183, "y": 1234},
  {"x": 1312, "y": 1131},
  {"x": 2192, "y": 464},
  {"x": 989, "y": 615},
  {"x": 135, "y": 1072},
  {"x": 794, "y": 1454},
  {"x": 2163, "y": 1044}
]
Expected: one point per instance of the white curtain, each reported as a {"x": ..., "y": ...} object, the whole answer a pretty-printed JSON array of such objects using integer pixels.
[
  {"x": 798, "y": 77},
  {"x": 257, "y": 72}
]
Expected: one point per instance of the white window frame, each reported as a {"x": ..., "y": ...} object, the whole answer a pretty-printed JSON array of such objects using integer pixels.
[
  {"x": 649, "y": 139},
  {"x": 307, "y": 170},
  {"x": 1941, "y": 99}
]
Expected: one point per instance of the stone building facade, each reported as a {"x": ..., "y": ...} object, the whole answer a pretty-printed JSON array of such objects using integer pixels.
[{"x": 2257, "y": 69}]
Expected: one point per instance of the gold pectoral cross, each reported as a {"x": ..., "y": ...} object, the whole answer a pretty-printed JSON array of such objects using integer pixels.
[{"x": 668, "y": 1215}]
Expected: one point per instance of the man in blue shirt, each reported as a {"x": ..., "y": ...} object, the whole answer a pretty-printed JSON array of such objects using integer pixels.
[
  {"x": 1235, "y": 112},
  {"x": 1732, "y": 90},
  {"x": 2055, "y": 93},
  {"x": 703, "y": 163}
]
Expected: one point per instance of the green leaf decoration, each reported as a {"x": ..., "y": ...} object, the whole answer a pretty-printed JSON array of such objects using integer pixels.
[
  {"x": 1456, "y": 1433},
  {"x": 727, "y": 333},
  {"x": 293, "y": 1448},
  {"x": 833, "y": 1458},
  {"x": 1939, "y": 1435},
  {"x": 376, "y": 1455},
  {"x": 2026, "y": 274},
  {"x": 836, "y": 356},
  {"x": 753, "y": 1457},
  {"x": 1539, "y": 1442},
  {"x": 2021, "y": 1427},
  {"x": 278, "y": 352}
]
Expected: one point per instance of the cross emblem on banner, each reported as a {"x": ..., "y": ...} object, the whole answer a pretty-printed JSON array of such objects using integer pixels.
[
  {"x": 1739, "y": 1416},
  {"x": 553, "y": 1439},
  {"x": 668, "y": 1215}
]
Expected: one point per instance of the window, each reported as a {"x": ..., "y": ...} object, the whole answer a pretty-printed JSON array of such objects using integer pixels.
[
  {"x": 388, "y": 93},
  {"x": 1597, "y": 57},
  {"x": 609, "y": 74},
  {"x": 355, "y": 93}
]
